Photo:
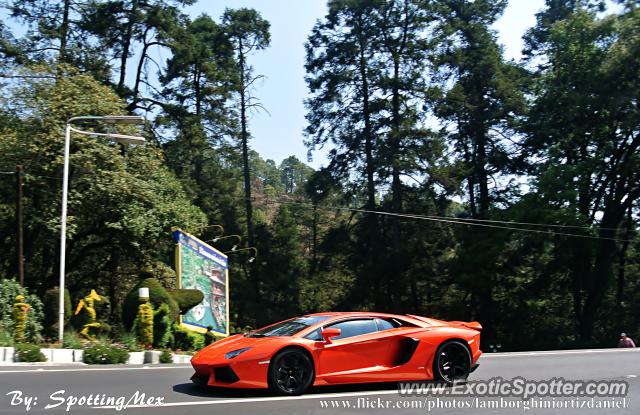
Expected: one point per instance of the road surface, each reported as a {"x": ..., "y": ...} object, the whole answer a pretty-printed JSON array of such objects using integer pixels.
[{"x": 169, "y": 385}]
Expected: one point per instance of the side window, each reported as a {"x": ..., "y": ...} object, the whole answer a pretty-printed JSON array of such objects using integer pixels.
[
  {"x": 314, "y": 335},
  {"x": 386, "y": 324},
  {"x": 355, "y": 328}
]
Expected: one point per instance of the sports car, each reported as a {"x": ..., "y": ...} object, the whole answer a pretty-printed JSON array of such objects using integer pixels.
[{"x": 339, "y": 348}]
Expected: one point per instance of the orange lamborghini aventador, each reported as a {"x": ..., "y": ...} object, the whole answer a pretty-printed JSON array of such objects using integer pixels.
[{"x": 337, "y": 348}]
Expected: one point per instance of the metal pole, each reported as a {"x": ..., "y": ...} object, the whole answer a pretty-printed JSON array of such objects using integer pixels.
[
  {"x": 19, "y": 232},
  {"x": 63, "y": 231}
]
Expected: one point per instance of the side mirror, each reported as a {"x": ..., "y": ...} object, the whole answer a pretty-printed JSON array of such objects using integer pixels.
[{"x": 327, "y": 334}]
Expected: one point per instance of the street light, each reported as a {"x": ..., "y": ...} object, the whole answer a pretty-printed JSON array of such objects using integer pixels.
[
  {"x": 219, "y": 238},
  {"x": 120, "y": 138},
  {"x": 253, "y": 258}
]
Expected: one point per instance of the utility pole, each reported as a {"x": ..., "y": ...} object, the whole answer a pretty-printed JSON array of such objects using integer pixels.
[{"x": 19, "y": 230}]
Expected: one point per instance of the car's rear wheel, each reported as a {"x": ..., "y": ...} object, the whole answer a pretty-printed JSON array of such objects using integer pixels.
[
  {"x": 291, "y": 372},
  {"x": 452, "y": 362}
]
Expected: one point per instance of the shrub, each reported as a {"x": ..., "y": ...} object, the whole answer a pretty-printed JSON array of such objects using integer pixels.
[
  {"x": 71, "y": 340},
  {"x": 166, "y": 357},
  {"x": 50, "y": 302},
  {"x": 162, "y": 335},
  {"x": 6, "y": 339},
  {"x": 29, "y": 353},
  {"x": 158, "y": 295},
  {"x": 20, "y": 310},
  {"x": 9, "y": 289},
  {"x": 104, "y": 354},
  {"x": 187, "y": 298},
  {"x": 130, "y": 342},
  {"x": 187, "y": 339},
  {"x": 144, "y": 323}
]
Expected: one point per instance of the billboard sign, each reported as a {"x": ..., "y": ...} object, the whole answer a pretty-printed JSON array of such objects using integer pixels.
[{"x": 202, "y": 267}]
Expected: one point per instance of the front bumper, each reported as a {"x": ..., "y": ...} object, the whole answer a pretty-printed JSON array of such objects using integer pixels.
[{"x": 230, "y": 373}]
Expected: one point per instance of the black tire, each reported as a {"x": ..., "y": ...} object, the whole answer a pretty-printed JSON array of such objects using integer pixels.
[
  {"x": 291, "y": 372},
  {"x": 452, "y": 362}
]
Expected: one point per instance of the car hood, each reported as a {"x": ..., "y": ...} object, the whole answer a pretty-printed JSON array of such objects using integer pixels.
[{"x": 221, "y": 347}]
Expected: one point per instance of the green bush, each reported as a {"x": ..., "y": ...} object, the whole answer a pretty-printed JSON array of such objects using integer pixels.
[
  {"x": 187, "y": 298},
  {"x": 158, "y": 295},
  {"x": 187, "y": 339},
  {"x": 50, "y": 302},
  {"x": 71, "y": 340},
  {"x": 162, "y": 335},
  {"x": 105, "y": 354},
  {"x": 6, "y": 339},
  {"x": 9, "y": 289},
  {"x": 29, "y": 353},
  {"x": 166, "y": 357},
  {"x": 130, "y": 342},
  {"x": 144, "y": 323}
]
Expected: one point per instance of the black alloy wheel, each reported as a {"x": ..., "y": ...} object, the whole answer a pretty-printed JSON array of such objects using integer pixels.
[
  {"x": 452, "y": 362},
  {"x": 291, "y": 372}
]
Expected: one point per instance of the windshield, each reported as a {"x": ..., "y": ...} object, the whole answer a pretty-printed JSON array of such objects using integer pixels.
[{"x": 289, "y": 327}]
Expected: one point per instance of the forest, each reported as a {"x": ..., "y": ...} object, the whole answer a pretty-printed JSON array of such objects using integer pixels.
[{"x": 459, "y": 184}]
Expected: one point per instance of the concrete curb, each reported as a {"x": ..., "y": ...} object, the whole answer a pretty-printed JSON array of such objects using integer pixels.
[{"x": 74, "y": 356}]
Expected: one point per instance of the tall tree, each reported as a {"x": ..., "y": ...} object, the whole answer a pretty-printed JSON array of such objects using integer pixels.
[
  {"x": 479, "y": 109},
  {"x": 55, "y": 35},
  {"x": 584, "y": 126},
  {"x": 248, "y": 32},
  {"x": 121, "y": 26}
]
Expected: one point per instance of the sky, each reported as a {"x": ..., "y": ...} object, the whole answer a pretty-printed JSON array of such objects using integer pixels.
[{"x": 279, "y": 134}]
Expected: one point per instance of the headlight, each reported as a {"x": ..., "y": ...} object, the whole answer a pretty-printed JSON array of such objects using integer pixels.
[{"x": 234, "y": 353}]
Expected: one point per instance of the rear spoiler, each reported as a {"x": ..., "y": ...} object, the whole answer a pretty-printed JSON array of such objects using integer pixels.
[{"x": 473, "y": 325}]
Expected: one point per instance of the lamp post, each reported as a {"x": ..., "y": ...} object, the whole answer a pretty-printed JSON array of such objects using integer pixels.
[
  {"x": 121, "y": 138},
  {"x": 251, "y": 248},
  {"x": 220, "y": 238}
]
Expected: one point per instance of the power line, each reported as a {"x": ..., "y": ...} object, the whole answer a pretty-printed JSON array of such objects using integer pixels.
[{"x": 446, "y": 219}]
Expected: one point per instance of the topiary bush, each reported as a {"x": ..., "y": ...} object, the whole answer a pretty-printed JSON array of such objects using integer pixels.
[
  {"x": 105, "y": 354},
  {"x": 29, "y": 353},
  {"x": 162, "y": 334},
  {"x": 50, "y": 302},
  {"x": 187, "y": 298},
  {"x": 166, "y": 357},
  {"x": 158, "y": 295},
  {"x": 144, "y": 323},
  {"x": 187, "y": 339},
  {"x": 20, "y": 310},
  {"x": 9, "y": 289}
]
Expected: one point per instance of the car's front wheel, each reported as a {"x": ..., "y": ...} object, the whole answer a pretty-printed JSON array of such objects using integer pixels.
[
  {"x": 291, "y": 372},
  {"x": 452, "y": 362}
]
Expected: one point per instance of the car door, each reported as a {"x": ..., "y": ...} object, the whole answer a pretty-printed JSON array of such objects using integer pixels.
[{"x": 358, "y": 349}]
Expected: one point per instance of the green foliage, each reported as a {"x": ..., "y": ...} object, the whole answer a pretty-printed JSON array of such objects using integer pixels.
[
  {"x": 72, "y": 340},
  {"x": 20, "y": 310},
  {"x": 104, "y": 354},
  {"x": 158, "y": 295},
  {"x": 51, "y": 303},
  {"x": 162, "y": 333},
  {"x": 6, "y": 339},
  {"x": 144, "y": 323},
  {"x": 187, "y": 340},
  {"x": 29, "y": 353},
  {"x": 186, "y": 298},
  {"x": 9, "y": 290},
  {"x": 130, "y": 341},
  {"x": 166, "y": 357}
]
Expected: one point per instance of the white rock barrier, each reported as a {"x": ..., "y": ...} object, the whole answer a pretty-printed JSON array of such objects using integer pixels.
[{"x": 7, "y": 355}]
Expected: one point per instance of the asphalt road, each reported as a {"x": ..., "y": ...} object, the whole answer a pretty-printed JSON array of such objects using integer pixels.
[{"x": 41, "y": 386}]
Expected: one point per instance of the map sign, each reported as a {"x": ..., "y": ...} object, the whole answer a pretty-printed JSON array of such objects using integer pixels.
[{"x": 202, "y": 267}]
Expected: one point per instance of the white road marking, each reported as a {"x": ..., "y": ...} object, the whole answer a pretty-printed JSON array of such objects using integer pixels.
[
  {"x": 90, "y": 369},
  {"x": 266, "y": 399},
  {"x": 559, "y": 352}
]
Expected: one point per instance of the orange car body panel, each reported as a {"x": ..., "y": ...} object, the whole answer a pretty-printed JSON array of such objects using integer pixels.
[{"x": 371, "y": 357}]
